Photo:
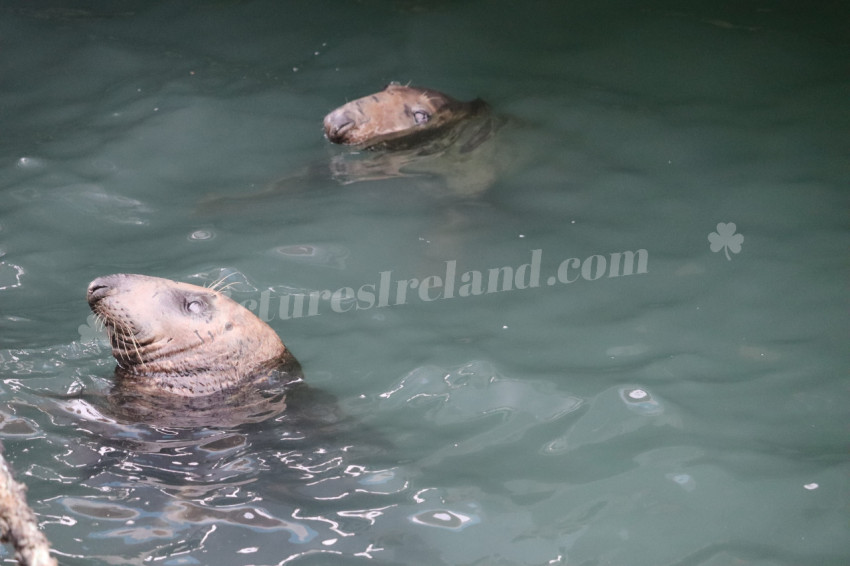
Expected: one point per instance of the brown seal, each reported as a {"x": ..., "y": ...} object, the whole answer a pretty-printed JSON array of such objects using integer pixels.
[
  {"x": 401, "y": 117},
  {"x": 176, "y": 339},
  {"x": 416, "y": 132},
  {"x": 402, "y": 132}
]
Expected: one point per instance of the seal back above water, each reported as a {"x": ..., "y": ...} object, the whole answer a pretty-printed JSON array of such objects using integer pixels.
[{"x": 178, "y": 339}]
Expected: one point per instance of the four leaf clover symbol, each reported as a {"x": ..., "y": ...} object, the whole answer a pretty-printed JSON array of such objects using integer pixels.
[
  {"x": 726, "y": 239},
  {"x": 92, "y": 332}
]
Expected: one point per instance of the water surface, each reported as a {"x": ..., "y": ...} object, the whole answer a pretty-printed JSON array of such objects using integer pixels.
[{"x": 691, "y": 412}]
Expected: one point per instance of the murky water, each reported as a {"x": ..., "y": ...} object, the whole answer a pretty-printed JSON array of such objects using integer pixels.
[{"x": 627, "y": 347}]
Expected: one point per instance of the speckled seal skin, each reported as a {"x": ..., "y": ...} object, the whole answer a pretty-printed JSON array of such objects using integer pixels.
[
  {"x": 399, "y": 117},
  {"x": 180, "y": 340}
]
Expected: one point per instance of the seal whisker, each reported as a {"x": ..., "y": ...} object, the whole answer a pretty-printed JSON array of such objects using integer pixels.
[
  {"x": 136, "y": 349},
  {"x": 228, "y": 286},
  {"x": 214, "y": 285},
  {"x": 126, "y": 337},
  {"x": 99, "y": 322}
]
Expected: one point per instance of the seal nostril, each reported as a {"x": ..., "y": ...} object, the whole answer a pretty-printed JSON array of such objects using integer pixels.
[
  {"x": 96, "y": 291},
  {"x": 337, "y": 124},
  {"x": 106, "y": 285},
  {"x": 337, "y": 130}
]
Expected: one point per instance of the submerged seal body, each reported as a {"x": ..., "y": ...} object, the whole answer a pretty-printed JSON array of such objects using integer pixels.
[{"x": 174, "y": 339}]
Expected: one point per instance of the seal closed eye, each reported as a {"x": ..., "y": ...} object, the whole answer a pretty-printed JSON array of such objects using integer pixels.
[{"x": 177, "y": 339}]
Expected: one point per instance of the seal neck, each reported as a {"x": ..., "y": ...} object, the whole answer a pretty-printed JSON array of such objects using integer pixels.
[{"x": 203, "y": 381}]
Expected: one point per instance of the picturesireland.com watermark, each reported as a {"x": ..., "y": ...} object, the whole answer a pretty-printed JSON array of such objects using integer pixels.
[{"x": 452, "y": 283}]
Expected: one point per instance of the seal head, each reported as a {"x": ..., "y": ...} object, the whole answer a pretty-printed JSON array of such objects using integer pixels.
[
  {"x": 173, "y": 338},
  {"x": 398, "y": 117}
]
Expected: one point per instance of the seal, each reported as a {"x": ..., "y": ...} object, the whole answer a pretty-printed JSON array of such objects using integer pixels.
[
  {"x": 411, "y": 131},
  {"x": 440, "y": 144},
  {"x": 402, "y": 117},
  {"x": 174, "y": 339}
]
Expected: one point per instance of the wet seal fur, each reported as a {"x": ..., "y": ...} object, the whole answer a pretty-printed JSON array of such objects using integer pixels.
[
  {"x": 190, "y": 354},
  {"x": 402, "y": 117}
]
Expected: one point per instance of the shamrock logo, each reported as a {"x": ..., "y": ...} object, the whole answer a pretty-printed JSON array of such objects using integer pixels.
[
  {"x": 726, "y": 239},
  {"x": 93, "y": 332}
]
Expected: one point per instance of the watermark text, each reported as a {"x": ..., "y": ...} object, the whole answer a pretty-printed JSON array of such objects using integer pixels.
[{"x": 452, "y": 283}]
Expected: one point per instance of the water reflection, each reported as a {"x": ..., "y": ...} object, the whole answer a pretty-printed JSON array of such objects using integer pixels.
[
  {"x": 166, "y": 482},
  {"x": 301, "y": 469},
  {"x": 324, "y": 255},
  {"x": 444, "y": 519}
]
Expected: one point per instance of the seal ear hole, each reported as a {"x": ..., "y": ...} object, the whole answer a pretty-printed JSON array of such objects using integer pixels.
[{"x": 228, "y": 327}]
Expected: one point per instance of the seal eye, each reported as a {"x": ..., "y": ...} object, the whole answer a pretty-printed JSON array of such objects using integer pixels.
[
  {"x": 420, "y": 116},
  {"x": 195, "y": 306}
]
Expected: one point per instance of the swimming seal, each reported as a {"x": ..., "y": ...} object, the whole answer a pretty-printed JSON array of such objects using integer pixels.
[
  {"x": 442, "y": 144},
  {"x": 402, "y": 117},
  {"x": 174, "y": 339},
  {"x": 410, "y": 131}
]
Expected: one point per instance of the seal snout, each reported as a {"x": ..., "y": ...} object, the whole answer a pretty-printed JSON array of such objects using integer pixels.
[
  {"x": 107, "y": 285},
  {"x": 98, "y": 289},
  {"x": 336, "y": 124}
]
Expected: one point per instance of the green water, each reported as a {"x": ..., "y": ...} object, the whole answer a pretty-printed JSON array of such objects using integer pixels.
[{"x": 690, "y": 411}]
